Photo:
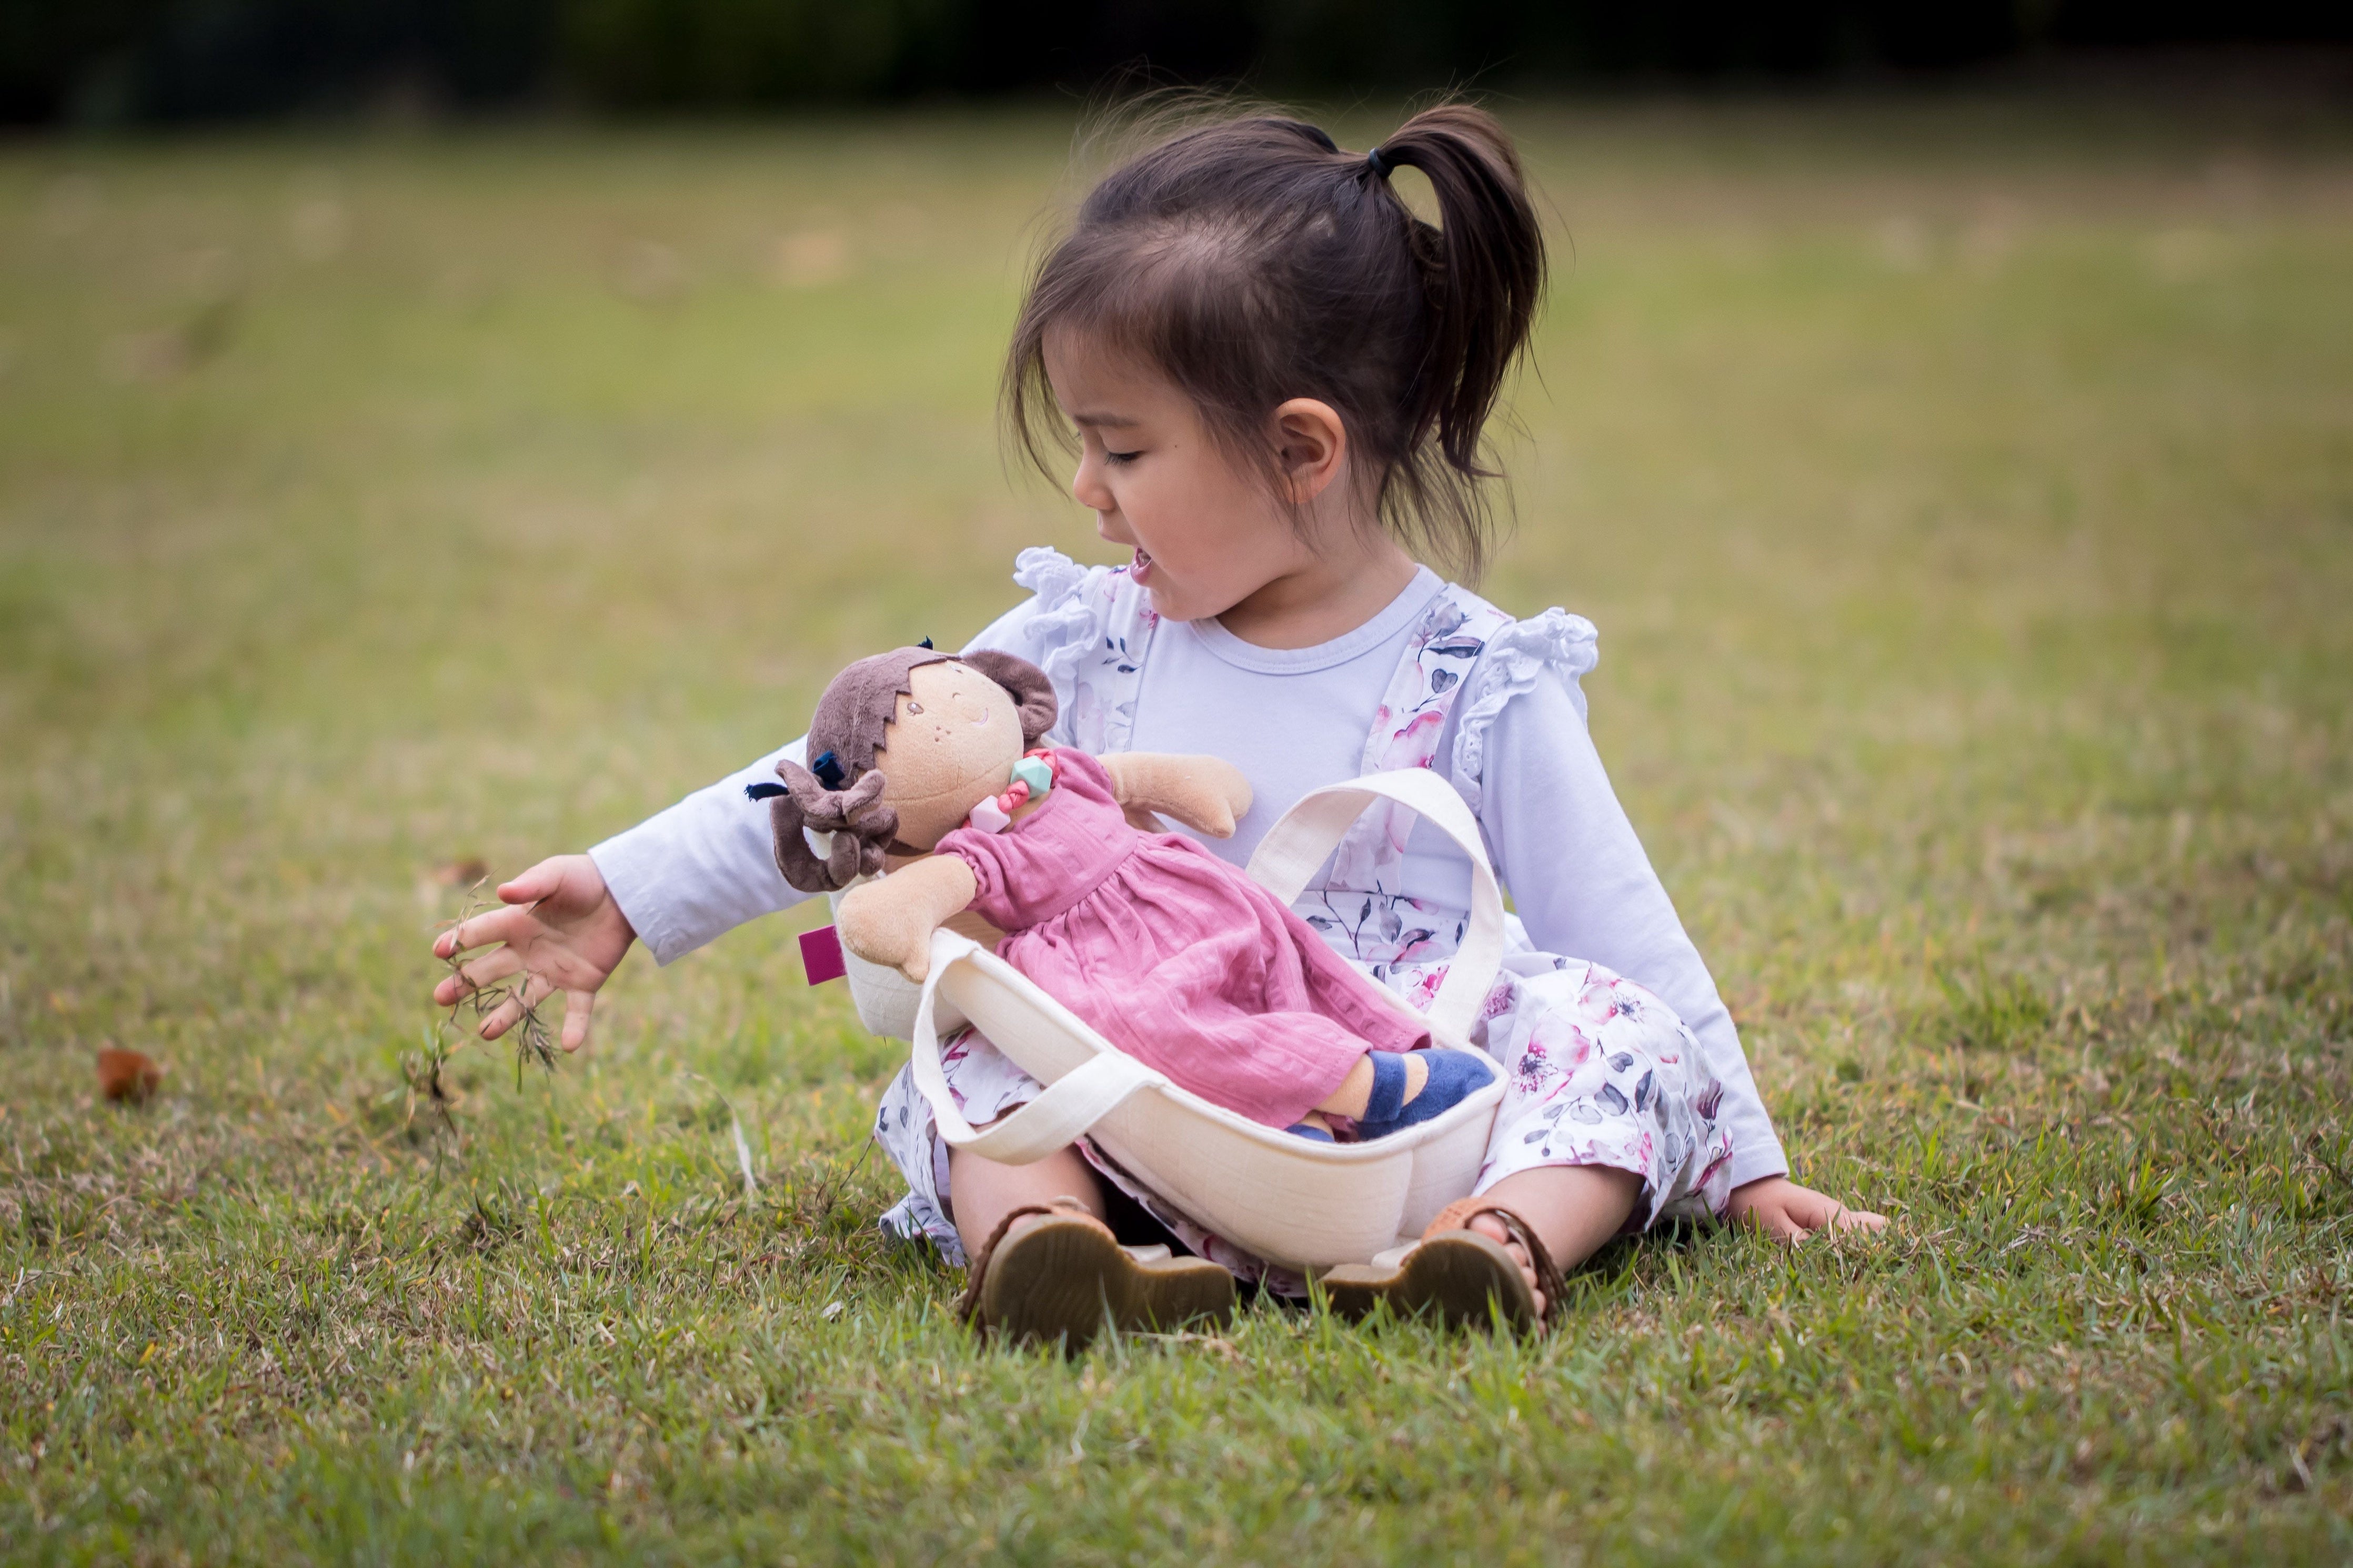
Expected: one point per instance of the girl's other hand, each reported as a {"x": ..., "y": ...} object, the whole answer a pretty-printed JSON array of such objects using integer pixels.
[
  {"x": 1787, "y": 1212},
  {"x": 561, "y": 927}
]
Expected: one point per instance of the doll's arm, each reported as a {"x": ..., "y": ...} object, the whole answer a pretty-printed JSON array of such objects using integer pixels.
[
  {"x": 890, "y": 920},
  {"x": 1206, "y": 794}
]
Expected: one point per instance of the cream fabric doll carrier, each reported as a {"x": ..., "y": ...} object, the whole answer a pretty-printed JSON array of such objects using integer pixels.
[{"x": 1294, "y": 1201}]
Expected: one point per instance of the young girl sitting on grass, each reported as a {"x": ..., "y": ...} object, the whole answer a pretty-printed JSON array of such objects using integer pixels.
[{"x": 1278, "y": 377}]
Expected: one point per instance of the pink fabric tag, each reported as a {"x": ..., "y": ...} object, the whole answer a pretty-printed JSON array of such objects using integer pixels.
[{"x": 821, "y": 955}]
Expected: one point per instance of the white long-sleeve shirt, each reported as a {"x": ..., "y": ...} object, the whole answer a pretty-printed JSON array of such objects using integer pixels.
[{"x": 1294, "y": 719}]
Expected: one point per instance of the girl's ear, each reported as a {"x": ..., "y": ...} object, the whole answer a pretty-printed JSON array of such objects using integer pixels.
[
  {"x": 1311, "y": 442},
  {"x": 1033, "y": 694}
]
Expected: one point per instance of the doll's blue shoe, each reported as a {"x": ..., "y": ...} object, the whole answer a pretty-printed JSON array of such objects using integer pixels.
[
  {"x": 1309, "y": 1130},
  {"x": 1454, "y": 1077}
]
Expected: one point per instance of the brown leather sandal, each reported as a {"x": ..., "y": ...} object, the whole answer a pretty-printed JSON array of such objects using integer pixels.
[
  {"x": 1064, "y": 1277},
  {"x": 1453, "y": 1272}
]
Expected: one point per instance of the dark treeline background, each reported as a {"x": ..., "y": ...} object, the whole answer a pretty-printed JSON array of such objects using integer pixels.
[{"x": 133, "y": 61}]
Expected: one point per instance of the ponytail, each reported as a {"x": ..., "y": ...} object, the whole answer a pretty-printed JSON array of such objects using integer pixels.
[{"x": 1488, "y": 273}]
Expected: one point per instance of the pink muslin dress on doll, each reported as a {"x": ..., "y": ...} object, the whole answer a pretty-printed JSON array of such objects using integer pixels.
[{"x": 1174, "y": 957}]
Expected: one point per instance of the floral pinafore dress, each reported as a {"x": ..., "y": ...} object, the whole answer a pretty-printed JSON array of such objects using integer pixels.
[{"x": 1600, "y": 1072}]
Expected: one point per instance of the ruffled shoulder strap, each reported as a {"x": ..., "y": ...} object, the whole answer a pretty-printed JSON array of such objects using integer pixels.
[
  {"x": 1442, "y": 649},
  {"x": 1092, "y": 628},
  {"x": 1514, "y": 659}
]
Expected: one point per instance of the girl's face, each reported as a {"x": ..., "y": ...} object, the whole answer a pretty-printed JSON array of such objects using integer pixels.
[{"x": 1207, "y": 535}]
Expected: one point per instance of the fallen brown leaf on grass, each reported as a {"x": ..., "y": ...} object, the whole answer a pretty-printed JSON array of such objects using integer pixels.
[{"x": 127, "y": 1075}]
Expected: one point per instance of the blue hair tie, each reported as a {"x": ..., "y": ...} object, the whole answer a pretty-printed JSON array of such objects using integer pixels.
[{"x": 1380, "y": 165}]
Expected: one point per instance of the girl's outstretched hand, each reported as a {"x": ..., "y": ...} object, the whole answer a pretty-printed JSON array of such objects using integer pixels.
[
  {"x": 561, "y": 927},
  {"x": 1782, "y": 1209}
]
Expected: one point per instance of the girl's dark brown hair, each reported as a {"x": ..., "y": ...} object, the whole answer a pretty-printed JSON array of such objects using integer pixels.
[{"x": 1252, "y": 261}]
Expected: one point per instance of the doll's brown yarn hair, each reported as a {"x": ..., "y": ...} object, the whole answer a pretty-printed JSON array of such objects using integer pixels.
[
  {"x": 851, "y": 719},
  {"x": 1250, "y": 260}
]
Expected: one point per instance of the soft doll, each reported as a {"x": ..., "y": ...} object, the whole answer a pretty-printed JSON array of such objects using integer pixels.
[{"x": 926, "y": 764}]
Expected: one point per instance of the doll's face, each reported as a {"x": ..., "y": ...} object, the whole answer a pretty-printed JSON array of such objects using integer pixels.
[{"x": 953, "y": 742}]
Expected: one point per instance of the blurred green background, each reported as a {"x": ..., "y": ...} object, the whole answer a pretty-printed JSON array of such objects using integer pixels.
[
  {"x": 1964, "y": 490},
  {"x": 109, "y": 63}
]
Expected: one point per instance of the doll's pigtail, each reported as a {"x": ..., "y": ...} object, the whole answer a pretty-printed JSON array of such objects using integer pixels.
[
  {"x": 1032, "y": 693},
  {"x": 856, "y": 817}
]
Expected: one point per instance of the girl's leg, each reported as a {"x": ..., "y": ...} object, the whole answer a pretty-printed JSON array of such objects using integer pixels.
[
  {"x": 1609, "y": 1116},
  {"x": 1574, "y": 1208},
  {"x": 981, "y": 1193},
  {"x": 938, "y": 1208},
  {"x": 1051, "y": 1279}
]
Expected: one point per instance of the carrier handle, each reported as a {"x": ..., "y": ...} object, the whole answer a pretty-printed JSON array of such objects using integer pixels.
[
  {"x": 1295, "y": 848},
  {"x": 1058, "y": 1118}
]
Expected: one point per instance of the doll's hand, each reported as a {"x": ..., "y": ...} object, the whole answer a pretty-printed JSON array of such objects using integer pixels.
[
  {"x": 1787, "y": 1212},
  {"x": 561, "y": 927},
  {"x": 876, "y": 926},
  {"x": 890, "y": 921},
  {"x": 1207, "y": 795},
  {"x": 1225, "y": 796}
]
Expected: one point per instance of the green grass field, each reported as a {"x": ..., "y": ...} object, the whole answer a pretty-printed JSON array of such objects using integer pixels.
[{"x": 1964, "y": 490}]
